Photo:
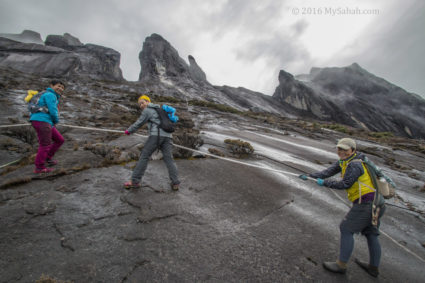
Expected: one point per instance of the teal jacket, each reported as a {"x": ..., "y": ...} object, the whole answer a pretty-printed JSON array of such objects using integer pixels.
[{"x": 49, "y": 99}]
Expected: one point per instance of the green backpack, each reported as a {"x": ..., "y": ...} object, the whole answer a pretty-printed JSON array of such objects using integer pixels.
[{"x": 385, "y": 186}]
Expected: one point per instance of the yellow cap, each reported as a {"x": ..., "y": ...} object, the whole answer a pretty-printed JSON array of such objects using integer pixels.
[{"x": 145, "y": 97}]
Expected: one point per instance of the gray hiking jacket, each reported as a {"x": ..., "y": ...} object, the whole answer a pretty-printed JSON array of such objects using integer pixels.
[{"x": 149, "y": 116}]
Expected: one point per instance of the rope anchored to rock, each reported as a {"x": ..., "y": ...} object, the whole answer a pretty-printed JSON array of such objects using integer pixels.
[
  {"x": 176, "y": 145},
  {"x": 218, "y": 157}
]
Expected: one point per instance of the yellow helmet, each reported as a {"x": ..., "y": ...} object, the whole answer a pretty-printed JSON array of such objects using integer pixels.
[{"x": 145, "y": 97}]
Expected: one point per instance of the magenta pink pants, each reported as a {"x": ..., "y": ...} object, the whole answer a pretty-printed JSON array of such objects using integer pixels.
[{"x": 46, "y": 149}]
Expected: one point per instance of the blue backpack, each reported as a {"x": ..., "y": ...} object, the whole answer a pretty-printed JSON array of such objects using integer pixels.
[{"x": 167, "y": 118}]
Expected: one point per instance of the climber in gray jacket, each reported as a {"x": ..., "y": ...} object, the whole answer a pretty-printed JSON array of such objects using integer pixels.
[{"x": 164, "y": 142}]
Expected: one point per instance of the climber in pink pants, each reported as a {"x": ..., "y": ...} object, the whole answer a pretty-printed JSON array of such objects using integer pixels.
[
  {"x": 44, "y": 121},
  {"x": 46, "y": 149}
]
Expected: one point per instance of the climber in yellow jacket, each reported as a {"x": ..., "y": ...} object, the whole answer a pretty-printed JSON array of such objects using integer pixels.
[{"x": 361, "y": 192}]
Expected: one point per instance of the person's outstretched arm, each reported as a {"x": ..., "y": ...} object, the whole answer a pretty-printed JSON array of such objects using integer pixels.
[{"x": 144, "y": 117}]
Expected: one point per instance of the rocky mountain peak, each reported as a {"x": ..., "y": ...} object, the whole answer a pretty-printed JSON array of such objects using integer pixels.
[
  {"x": 164, "y": 72},
  {"x": 285, "y": 77},
  {"x": 66, "y": 41},
  {"x": 157, "y": 37},
  {"x": 62, "y": 56},
  {"x": 351, "y": 70},
  {"x": 368, "y": 100},
  {"x": 158, "y": 59},
  {"x": 355, "y": 66},
  {"x": 295, "y": 94},
  {"x": 27, "y": 36},
  {"x": 195, "y": 71}
]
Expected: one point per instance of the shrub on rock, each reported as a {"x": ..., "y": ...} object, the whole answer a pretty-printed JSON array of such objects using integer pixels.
[{"x": 239, "y": 148}]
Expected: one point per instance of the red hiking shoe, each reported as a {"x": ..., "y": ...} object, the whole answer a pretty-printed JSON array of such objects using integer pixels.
[
  {"x": 43, "y": 170},
  {"x": 131, "y": 185}
]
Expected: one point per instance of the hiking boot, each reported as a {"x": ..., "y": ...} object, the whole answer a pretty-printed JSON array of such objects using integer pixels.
[
  {"x": 175, "y": 187},
  {"x": 43, "y": 170},
  {"x": 372, "y": 270},
  {"x": 131, "y": 185},
  {"x": 334, "y": 267},
  {"x": 51, "y": 162}
]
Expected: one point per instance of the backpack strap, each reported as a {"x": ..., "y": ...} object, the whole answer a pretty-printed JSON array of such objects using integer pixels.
[
  {"x": 42, "y": 108},
  {"x": 360, "y": 187},
  {"x": 157, "y": 127},
  {"x": 34, "y": 107}
]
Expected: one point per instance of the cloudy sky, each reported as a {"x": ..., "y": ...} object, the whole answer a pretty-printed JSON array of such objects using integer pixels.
[{"x": 244, "y": 42}]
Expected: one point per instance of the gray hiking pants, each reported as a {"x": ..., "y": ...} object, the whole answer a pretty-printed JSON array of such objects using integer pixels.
[
  {"x": 359, "y": 220},
  {"x": 165, "y": 145}
]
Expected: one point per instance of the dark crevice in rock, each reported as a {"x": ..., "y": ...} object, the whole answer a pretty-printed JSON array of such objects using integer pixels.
[
  {"x": 141, "y": 219},
  {"x": 133, "y": 239},
  {"x": 63, "y": 239},
  {"x": 311, "y": 260},
  {"x": 276, "y": 210},
  {"x": 125, "y": 200},
  {"x": 57, "y": 229},
  {"x": 87, "y": 223},
  {"x": 155, "y": 190},
  {"x": 103, "y": 217},
  {"x": 124, "y": 213},
  {"x": 137, "y": 265},
  {"x": 66, "y": 245}
]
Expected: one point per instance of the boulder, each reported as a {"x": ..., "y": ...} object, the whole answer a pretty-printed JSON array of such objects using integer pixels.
[
  {"x": 62, "y": 56},
  {"x": 67, "y": 41},
  {"x": 27, "y": 36}
]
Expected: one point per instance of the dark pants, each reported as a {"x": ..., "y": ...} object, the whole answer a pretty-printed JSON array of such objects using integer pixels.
[
  {"x": 165, "y": 145},
  {"x": 46, "y": 149},
  {"x": 359, "y": 219}
]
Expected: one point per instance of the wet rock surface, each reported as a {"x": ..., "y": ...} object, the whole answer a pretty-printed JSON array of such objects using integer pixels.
[{"x": 227, "y": 222}]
